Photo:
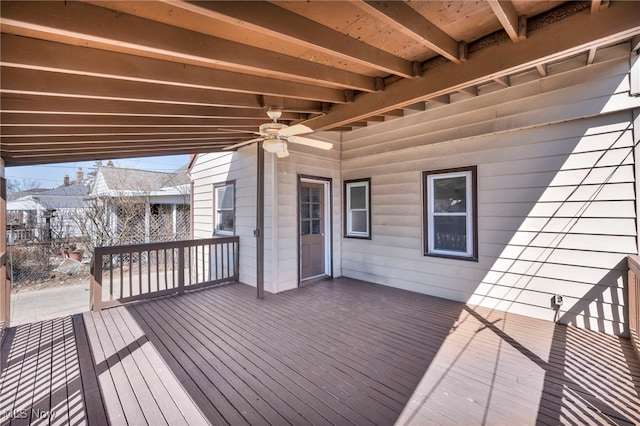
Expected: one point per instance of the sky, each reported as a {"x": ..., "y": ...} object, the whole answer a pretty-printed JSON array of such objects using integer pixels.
[{"x": 52, "y": 175}]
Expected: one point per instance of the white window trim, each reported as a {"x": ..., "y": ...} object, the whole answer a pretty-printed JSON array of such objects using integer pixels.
[
  {"x": 349, "y": 232},
  {"x": 471, "y": 224},
  {"x": 216, "y": 229}
]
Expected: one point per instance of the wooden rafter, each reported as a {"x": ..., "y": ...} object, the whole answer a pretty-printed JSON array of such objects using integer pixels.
[
  {"x": 285, "y": 25},
  {"x": 405, "y": 19},
  {"x": 546, "y": 45},
  {"x": 508, "y": 17},
  {"x": 140, "y": 37},
  {"x": 17, "y": 52}
]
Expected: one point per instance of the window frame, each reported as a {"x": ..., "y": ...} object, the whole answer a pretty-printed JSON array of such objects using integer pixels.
[
  {"x": 348, "y": 231},
  {"x": 428, "y": 177},
  {"x": 216, "y": 229}
]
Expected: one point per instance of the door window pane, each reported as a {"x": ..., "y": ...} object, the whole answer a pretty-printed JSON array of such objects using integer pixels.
[
  {"x": 315, "y": 195},
  {"x": 305, "y": 227},
  {"x": 304, "y": 211},
  {"x": 315, "y": 211},
  {"x": 304, "y": 195},
  {"x": 315, "y": 226}
]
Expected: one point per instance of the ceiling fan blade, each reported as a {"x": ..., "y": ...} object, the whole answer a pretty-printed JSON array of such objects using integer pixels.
[
  {"x": 238, "y": 145},
  {"x": 310, "y": 142},
  {"x": 296, "y": 129}
]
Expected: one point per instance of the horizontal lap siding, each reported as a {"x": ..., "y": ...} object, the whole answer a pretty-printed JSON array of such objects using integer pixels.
[
  {"x": 280, "y": 229},
  {"x": 217, "y": 168},
  {"x": 326, "y": 165},
  {"x": 556, "y": 196}
]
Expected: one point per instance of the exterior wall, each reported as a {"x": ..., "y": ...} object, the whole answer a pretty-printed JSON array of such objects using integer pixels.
[
  {"x": 280, "y": 231},
  {"x": 556, "y": 194},
  {"x": 321, "y": 164},
  {"x": 211, "y": 169}
]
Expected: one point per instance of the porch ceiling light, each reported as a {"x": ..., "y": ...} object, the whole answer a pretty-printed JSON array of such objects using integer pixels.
[
  {"x": 274, "y": 113},
  {"x": 274, "y": 146}
]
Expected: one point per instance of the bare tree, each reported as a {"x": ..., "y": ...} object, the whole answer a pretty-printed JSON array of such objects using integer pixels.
[{"x": 22, "y": 185}]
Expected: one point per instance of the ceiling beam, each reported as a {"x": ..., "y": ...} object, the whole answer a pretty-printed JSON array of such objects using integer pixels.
[
  {"x": 34, "y": 104},
  {"x": 91, "y": 26},
  {"x": 107, "y": 153},
  {"x": 280, "y": 23},
  {"x": 598, "y": 5},
  {"x": 16, "y": 132},
  {"x": 544, "y": 45},
  {"x": 17, "y": 52},
  {"x": 62, "y": 119},
  {"x": 405, "y": 19},
  {"x": 37, "y": 82},
  {"x": 508, "y": 17}
]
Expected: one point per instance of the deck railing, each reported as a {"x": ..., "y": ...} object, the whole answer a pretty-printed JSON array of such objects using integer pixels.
[
  {"x": 634, "y": 301},
  {"x": 121, "y": 274}
]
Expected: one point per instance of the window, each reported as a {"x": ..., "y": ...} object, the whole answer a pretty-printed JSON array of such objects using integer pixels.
[
  {"x": 450, "y": 213},
  {"x": 357, "y": 208},
  {"x": 225, "y": 209}
]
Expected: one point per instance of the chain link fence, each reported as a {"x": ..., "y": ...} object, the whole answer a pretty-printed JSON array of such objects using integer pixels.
[{"x": 40, "y": 258}]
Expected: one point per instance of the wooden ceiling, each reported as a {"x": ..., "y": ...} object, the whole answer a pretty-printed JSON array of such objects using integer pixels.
[{"x": 114, "y": 79}]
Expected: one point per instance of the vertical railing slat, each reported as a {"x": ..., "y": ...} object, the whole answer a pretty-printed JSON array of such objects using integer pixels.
[
  {"x": 634, "y": 301},
  {"x": 218, "y": 256}
]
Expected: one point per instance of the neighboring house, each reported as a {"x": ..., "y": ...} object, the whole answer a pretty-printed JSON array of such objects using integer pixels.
[
  {"x": 49, "y": 214},
  {"x": 133, "y": 206},
  {"x": 503, "y": 200}
]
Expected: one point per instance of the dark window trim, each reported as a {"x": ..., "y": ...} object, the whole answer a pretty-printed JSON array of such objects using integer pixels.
[
  {"x": 216, "y": 185},
  {"x": 474, "y": 211},
  {"x": 345, "y": 212}
]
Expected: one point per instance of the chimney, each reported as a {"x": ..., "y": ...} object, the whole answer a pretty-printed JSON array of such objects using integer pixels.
[
  {"x": 66, "y": 180},
  {"x": 79, "y": 176}
]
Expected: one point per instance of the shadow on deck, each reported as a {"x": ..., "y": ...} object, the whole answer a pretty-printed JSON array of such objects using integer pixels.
[{"x": 335, "y": 352}]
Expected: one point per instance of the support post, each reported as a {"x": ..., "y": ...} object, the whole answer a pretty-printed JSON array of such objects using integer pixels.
[
  {"x": 259, "y": 232},
  {"x": 5, "y": 283}
]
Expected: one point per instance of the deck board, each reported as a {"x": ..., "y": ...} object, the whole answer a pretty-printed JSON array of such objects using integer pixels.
[
  {"x": 336, "y": 352},
  {"x": 47, "y": 375}
]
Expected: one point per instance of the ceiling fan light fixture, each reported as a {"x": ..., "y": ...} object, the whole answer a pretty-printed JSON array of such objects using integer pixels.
[
  {"x": 274, "y": 113},
  {"x": 275, "y": 146}
]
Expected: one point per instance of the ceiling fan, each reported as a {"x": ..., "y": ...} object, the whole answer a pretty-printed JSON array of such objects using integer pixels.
[{"x": 276, "y": 136}]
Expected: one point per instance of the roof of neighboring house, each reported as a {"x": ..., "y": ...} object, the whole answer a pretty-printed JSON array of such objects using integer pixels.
[
  {"x": 64, "y": 191},
  {"x": 20, "y": 194},
  {"x": 58, "y": 198},
  {"x": 125, "y": 179}
]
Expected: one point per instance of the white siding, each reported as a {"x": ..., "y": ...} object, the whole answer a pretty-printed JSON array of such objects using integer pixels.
[
  {"x": 556, "y": 195},
  {"x": 211, "y": 169},
  {"x": 316, "y": 163},
  {"x": 280, "y": 231}
]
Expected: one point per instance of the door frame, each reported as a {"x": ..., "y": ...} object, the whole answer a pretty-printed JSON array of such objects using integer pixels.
[{"x": 328, "y": 223}]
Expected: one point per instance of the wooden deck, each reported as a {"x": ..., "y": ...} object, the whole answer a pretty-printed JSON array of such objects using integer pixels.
[
  {"x": 335, "y": 352},
  {"x": 48, "y": 376}
]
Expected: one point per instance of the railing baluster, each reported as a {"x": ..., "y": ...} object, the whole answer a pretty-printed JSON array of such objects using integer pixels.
[
  {"x": 166, "y": 280},
  {"x": 217, "y": 256},
  {"x": 634, "y": 300},
  {"x": 131, "y": 273},
  {"x": 140, "y": 270},
  {"x": 173, "y": 268},
  {"x": 111, "y": 277}
]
